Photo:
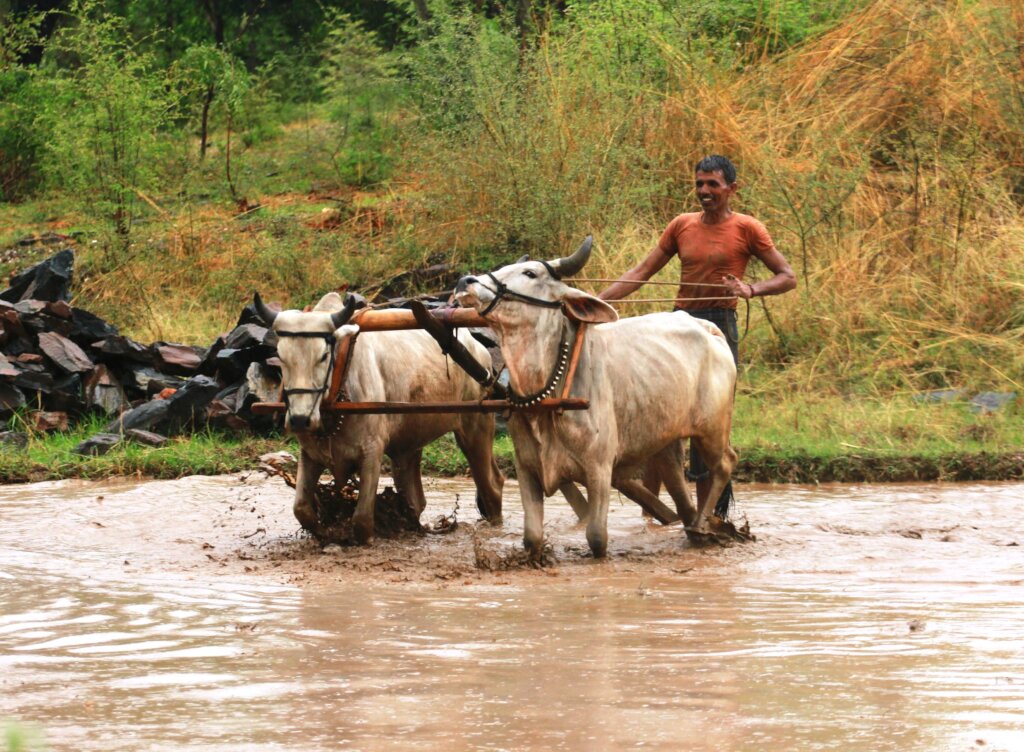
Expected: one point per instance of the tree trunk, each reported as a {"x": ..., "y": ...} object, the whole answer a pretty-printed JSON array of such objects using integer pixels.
[{"x": 205, "y": 123}]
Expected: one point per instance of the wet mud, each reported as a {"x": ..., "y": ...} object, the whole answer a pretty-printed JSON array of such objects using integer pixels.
[{"x": 194, "y": 614}]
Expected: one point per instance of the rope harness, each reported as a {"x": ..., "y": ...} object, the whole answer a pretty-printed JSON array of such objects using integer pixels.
[{"x": 502, "y": 292}]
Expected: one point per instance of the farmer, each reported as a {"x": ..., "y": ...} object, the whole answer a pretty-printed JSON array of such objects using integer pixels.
[{"x": 713, "y": 247}]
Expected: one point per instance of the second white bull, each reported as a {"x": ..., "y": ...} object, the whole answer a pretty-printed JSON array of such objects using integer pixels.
[{"x": 400, "y": 366}]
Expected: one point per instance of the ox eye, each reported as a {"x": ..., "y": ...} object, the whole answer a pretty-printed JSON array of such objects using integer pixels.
[
  {"x": 530, "y": 273},
  {"x": 323, "y": 357}
]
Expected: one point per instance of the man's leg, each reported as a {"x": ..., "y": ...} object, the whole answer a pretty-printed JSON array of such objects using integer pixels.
[{"x": 698, "y": 471}]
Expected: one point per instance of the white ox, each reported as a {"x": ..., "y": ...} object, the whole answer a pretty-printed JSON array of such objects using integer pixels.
[
  {"x": 651, "y": 381},
  {"x": 399, "y": 366}
]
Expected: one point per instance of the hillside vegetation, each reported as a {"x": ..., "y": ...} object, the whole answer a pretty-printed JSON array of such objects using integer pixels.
[{"x": 881, "y": 142}]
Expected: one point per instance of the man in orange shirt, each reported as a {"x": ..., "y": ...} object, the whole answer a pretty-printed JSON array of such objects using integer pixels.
[{"x": 713, "y": 247}]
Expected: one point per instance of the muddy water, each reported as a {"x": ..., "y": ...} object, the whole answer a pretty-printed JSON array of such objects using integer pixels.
[{"x": 192, "y": 615}]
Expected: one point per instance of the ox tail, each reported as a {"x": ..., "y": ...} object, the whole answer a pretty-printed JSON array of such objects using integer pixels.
[{"x": 725, "y": 501}]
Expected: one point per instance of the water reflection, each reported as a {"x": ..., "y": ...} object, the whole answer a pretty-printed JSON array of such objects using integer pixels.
[{"x": 864, "y": 618}]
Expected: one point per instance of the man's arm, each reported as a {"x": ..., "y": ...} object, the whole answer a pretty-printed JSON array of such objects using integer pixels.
[
  {"x": 783, "y": 281},
  {"x": 631, "y": 280}
]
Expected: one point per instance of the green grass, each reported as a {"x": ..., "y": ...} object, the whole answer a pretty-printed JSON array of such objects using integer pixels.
[
  {"x": 835, "y": 426},
  {"x": 51, "y": 456},
  {"x": 802, "y": 438}
]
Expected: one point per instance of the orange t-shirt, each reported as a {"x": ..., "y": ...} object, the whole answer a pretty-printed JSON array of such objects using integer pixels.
[{"x": 708, "y": 252}]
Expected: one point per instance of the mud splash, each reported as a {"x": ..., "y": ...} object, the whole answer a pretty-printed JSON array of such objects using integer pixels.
[{"x": 192, "y": 615}]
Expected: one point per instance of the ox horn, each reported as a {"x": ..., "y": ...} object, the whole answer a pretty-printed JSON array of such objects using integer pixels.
[
  {"x": 352, "y": 302},
  {"x": 266, "y": 315},
  {"x": 523, "y": 258},
  {"x": 567, "y": 267}
]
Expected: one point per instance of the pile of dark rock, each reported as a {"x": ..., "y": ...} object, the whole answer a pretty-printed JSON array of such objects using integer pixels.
[{"x": 59, "y": 363}]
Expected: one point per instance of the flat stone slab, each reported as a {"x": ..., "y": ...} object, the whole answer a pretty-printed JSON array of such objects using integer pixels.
[
  {"x": 118, "y": 346},
  {"x": 145, "y": 437},
  {"x": 176, "y": 358},
  {"x": 11, "y": 398},
  {"x": 68, "y": 356},
  {"x": 6, "y": 369},
  {"x": 14, "y": 438},
  {"x": 247, "y": 335},
  {"x": 145, "y": 416},
  {"x": 103, "y": 390},
  {"x": 48, "y": 280},
  {"x": 98, "y": 444}
]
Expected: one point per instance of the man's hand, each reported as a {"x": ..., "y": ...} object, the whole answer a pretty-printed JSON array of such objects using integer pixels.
[{"x": 738, "y": 287}]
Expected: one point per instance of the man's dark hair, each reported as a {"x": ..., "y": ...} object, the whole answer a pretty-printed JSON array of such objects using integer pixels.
[{"x": 718, "y": 163}]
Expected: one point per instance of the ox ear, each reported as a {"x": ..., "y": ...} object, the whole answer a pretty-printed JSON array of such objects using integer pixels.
[{"x": 586, "y": 308}]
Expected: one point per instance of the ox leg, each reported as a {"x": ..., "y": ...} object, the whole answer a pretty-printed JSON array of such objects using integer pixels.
[
  {"x": 532, "y": 493},
  {"x": 651, "y": 504},
  {"x": 307, "y": 478},
  {"x": 720, "y": 459},
  {"x": 598, "y": 490},
  {"x": 476, "y": 440},
  {"x": 369, "y": 475},
  {"x": 408, "y": 479},
  {"x": 576, "y": 500},
  {"x": 670, "y": 463}
]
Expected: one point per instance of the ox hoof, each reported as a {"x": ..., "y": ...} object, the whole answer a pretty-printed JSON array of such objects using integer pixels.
[
  {"x": 534, "y": 549},
  {"x": 489, "y": 511},
  {"x": 598, "y": 547},
  {"x": 362, "y": 531},
  {"x": 307, "y": 518}
]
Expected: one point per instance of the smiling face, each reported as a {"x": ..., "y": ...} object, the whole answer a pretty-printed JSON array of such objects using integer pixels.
[{"x": 713, "y": 192}]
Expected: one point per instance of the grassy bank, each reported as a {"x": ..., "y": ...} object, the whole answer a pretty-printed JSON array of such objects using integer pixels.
[{"x": 802, "y": 439}]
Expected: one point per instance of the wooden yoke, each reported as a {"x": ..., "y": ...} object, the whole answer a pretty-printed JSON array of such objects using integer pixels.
[
  {"x": 388, "y": 320},
  {"x": 394, "y": 319}
]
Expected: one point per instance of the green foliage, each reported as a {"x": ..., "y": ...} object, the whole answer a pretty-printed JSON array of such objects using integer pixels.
[
  {"x": 461, "y": 64},
  {"x": 357, "y": 78},
  {"x": 51, "y": 456},
  {"x": 762, "y": 26},
  {"x": 102, "y": 118},
  {"x": 20, "y": 98},
  {"x": 218, "y": 89}
]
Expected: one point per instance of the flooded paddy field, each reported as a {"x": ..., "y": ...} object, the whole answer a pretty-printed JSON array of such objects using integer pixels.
[{"x": 193, "y": 615}]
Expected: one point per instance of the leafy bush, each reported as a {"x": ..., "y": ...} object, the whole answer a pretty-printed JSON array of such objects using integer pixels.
[
  {"x": 103, "y": 112},
  {"x": 20, "y": 98},
  {"x": 357, "y": 78}
]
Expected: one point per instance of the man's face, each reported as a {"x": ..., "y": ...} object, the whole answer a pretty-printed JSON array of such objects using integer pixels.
[{"x": 713, "y": 192}]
